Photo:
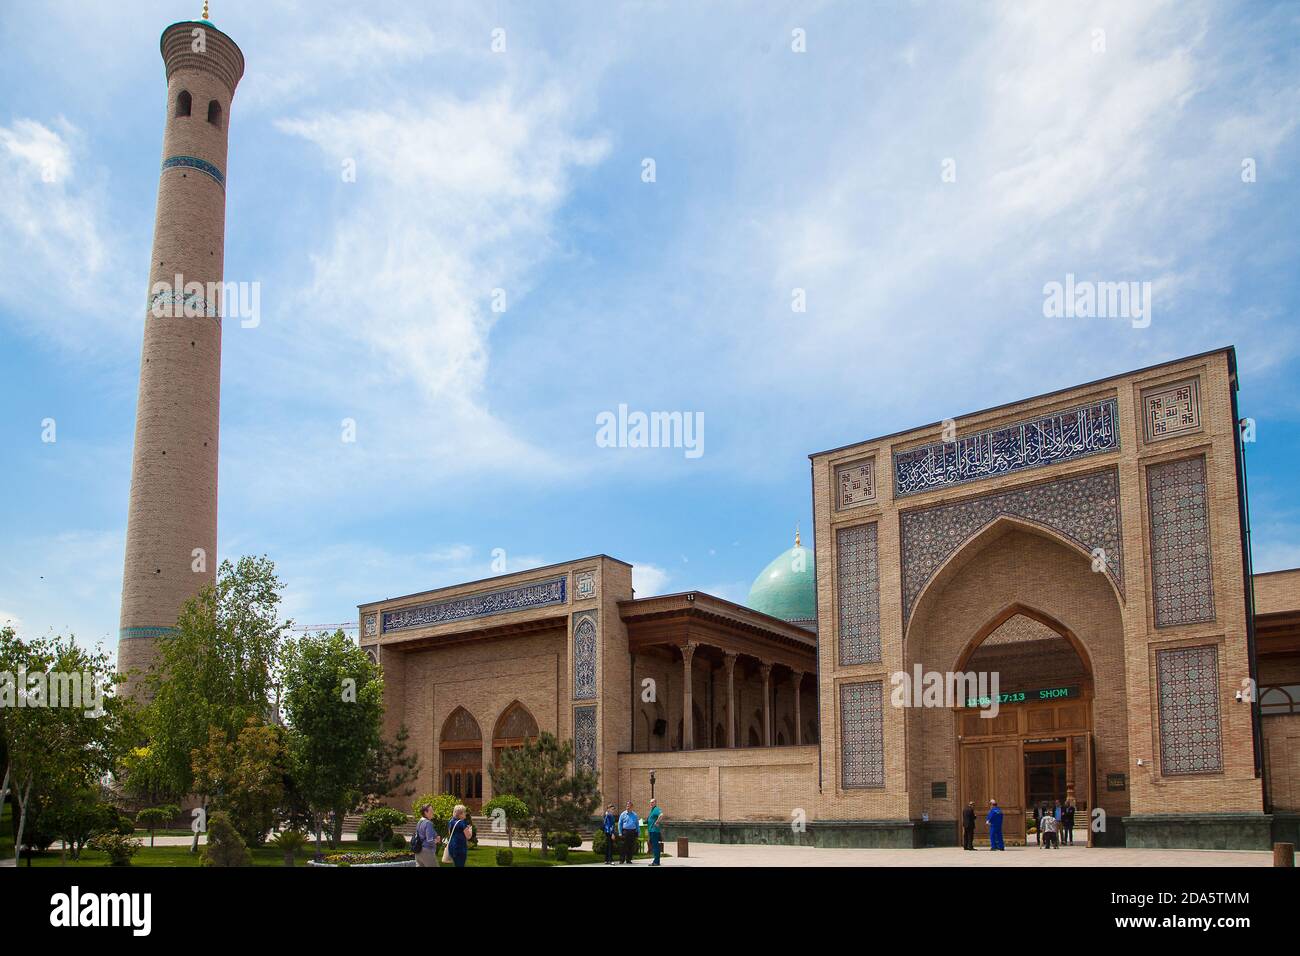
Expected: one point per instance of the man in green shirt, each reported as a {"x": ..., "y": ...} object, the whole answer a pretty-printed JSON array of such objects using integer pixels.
[{"x": 653, "y": 832}]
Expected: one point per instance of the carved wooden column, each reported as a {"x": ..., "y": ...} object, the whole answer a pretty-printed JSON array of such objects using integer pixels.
[
  {"x": 767, "y": 703},
  {"x": 798, "y": 721},
  {"x": 688, "y": 696},
  {"x": 729, "y": 658}
]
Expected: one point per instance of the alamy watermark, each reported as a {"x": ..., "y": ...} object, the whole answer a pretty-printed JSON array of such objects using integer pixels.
[
  {"x": 626, "y": 429},
  {"x": 1098, "y": 300},
  {"x": 922, "y": 688},
  {"x": 214, "y": 300},
  {"x": 75, "y": 690}
]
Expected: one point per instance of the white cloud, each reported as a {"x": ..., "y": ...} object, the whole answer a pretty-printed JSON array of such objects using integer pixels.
[{"x": 649, "y": 579}]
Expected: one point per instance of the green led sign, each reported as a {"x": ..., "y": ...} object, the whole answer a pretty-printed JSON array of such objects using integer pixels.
[{"x": 1025, "y": 696}]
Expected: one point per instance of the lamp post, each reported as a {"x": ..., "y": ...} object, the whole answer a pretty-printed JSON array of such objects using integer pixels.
[{"x": 652, "y": 784}]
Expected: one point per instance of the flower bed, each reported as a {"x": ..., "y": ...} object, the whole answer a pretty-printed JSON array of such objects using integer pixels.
[{"x": 372, "y": 858}]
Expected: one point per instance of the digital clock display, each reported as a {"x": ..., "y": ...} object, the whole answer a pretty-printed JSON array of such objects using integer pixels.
[{"x": 1025, "y": 696}]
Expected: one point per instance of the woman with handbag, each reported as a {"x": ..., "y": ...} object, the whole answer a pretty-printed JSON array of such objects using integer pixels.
[
  {"x": 425, "y": 842},
  {"x": 459, "y": 833}
]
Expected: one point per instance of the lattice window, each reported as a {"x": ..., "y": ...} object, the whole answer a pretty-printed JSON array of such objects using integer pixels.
[
  {"x": 858, "y": 594},
  {"x": 1181, "y": 585},
  {"x": 1190, "y": 734},
  {"x": 862, "y": 737}
]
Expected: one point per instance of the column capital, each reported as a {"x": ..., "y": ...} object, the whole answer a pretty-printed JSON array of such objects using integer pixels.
[
  {"x": 729, "y": 658},
  {"x": 688, "y": 649},
  {"x": 766, "y": 668}
]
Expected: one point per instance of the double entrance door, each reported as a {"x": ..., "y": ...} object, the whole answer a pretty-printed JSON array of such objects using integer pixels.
[{"x": 1023, "y": 757}]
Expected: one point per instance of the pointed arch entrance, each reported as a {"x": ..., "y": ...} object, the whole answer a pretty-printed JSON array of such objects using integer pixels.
[
  {"x": 461, "y": 748},
  {"x": 515, "y": 727},
  {"x": 1024, "y": 603}
]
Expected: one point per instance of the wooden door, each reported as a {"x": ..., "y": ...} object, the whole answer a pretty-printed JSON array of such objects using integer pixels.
[{"x": 995, "y": 771}]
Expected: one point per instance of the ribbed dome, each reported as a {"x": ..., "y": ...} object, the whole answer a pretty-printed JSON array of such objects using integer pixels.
[{"x": 787, "y": 587}]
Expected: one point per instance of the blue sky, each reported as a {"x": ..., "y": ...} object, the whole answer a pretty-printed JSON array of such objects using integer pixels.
[{"x": 1115, "y": 156}]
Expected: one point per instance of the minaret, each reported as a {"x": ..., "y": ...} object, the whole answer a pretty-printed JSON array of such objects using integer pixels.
[{"x": 171, "y": 532}]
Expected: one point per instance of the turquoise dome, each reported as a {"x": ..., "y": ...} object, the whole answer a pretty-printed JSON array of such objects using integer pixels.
[{"x": 787, "y": 588}]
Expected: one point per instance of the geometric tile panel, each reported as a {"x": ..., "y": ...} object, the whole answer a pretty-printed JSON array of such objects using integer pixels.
[
  {"x": 584, "y": 585},
  {"x": 584, "y": 738},
  {"x": 1181, "y": 585},
  {"x": 584, "y": 655},
  {"x": 862, "y": 736},
  {"x": 372, "y": 625},
  {"x": 856, "y": 482},
  {"x": 1188, "y": 679},
  {"x": 858, "y": 592},
  {"x": 1172, "y": 409},
  {"x": 1084, "y": 509},
  {"x": 1049, "y": 440}
]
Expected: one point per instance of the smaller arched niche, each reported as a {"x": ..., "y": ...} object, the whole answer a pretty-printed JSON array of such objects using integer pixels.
[
  {"x": 184, "y": 103},
  {"x": 514, "y": 728},
  {"x": 461, "y": 747},
  {"x": 214, "y": 113},
  {"x": 1027, "y": 651}
]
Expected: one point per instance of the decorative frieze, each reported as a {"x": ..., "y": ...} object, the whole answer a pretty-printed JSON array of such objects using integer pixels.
[
  {"x": 584, "y": 655},
  {"x": 1182, "y": 587},
  {"x": 1190, "y": 723},
  {"x": 584, "y": 738},
  {"x": 855, "y": 484},
  {"x": 1050, "y": 440},
  {"x": 193, "y": 162},
  {"x": 862, "y": 736},
  {"x": 1084, "y": 509},
  {"x": 1172, "y": 409},
  {"x": 523, "y": 597},
  {"x": 858, "y": 594}
]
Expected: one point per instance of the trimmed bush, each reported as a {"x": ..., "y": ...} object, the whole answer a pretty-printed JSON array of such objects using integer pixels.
[
  {"x": 225, "y": 846},
  {"x": 118, "y": 847},
  {"x": 569, "y": 839},
  {"x": 562, "y": 853},
  {"x": 377, "y": 824},
  {"x": 505, "y": 857}
]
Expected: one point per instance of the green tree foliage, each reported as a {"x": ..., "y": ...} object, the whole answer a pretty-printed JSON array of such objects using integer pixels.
[
  {"x": 442, "y": 805},
  {"x": 243, "y": 777},
  {"x": 215, "y": 670},
  {"x": 377, "y": 824},
  {"x": 62, "y": 726},
  {"x": 153, "y": 818},
  {"x": 539, "y": 773},
  {"x": 118, "y": 846},
  {"x": 77, "y": 815},
  {"x": 510, "y": 808},
  {"x": 390, "y": 771},
  {"x": 333, "y": 704},
  {"x": 290, "y": 843},
  {"x": 225, "y": 846}
]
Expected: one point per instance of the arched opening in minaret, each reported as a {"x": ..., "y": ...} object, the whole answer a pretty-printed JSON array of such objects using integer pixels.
[
  {"x": 183, "y": 101},
  {"x": 214, "y": 113}
]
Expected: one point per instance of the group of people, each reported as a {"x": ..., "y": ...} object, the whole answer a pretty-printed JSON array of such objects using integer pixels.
[
  {"x": 455, "y": 849},
  {"x": 1054, "y": 825},
  {"x": 625, "y": 831}
]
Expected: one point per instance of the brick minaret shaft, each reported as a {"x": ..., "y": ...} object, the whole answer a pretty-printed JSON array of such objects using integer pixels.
[{"x": 173, "y": 506}]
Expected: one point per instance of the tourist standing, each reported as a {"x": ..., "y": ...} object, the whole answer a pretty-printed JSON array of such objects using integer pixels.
[
  {"x": 627, "y": 826},
  {"x": 968, "y": 826},
  {"x": 653, "y": 832},
  {"x": 994, "y": 820},
  {"x": 609, "y": 826},
  {"x": 1049, "y": 831},
  {"x": 458, "y": 836},
  {"x": 1067, "y": 822},
  {"x": 427, "y": 835},
  {"x": 1038, "y": 823}
]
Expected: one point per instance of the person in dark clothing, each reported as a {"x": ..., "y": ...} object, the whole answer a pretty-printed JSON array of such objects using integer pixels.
[
  {"x": 1067, "y": 822},
  {"x": 1038, "y": 824},
  {"x": 968, "y": 827},
  {"x": 609, "y": 826}
]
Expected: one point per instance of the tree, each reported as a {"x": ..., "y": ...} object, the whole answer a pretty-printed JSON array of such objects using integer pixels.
[
  {"x": 217, "y": 669},
  {"x": 78, "y": 814},
  {"x": 510, "y": 809},
  {"x": 154, "y": 818},
  {"x": 290, "y": 843},
  {"x": 378, "y": 824},
  {"x": 244, "y": 777},
  {"x": 389, "y": 771},
  {"x": 333, "y": 704},
  {"x": 225, "y": 846},
  {"x": 441, "y": 806},
  {"x": 538, "y": 773},
  {"x": 63, "y": 728}
]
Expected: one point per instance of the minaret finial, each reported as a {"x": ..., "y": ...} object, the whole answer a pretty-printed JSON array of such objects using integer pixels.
[
  {"x": 205, "y": 9},
  {"x": 796, "y": 534}
]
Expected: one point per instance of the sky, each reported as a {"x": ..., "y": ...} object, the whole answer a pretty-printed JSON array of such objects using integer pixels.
[{"x": 561, "y": 208}]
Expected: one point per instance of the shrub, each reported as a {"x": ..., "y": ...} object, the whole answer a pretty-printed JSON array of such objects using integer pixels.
[
  {"x": 117, "y": 847},
  {"x": 598, "y": 842},
  {"x": 442, "y": 803},
  {"x": 568, "y": 839},
  {"x": 290, "y": 843},
  {"x": 505, "y": 857},
  {"x": 225, "y": 846},
  {"x": 512, "y": 809},
  {"x": 377, "y": 824},
  {"x": 562, "y": 853},
  {"x": 398, "y": 842}
]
